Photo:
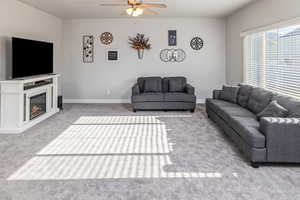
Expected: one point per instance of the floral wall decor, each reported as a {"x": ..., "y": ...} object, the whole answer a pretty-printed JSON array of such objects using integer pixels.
[{"x": 140, "y": 43}]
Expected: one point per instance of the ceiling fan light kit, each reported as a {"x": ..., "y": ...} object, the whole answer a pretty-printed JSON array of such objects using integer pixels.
[
  {"x": 135, "y": 12},
  {"x": 137, "y": 7}
]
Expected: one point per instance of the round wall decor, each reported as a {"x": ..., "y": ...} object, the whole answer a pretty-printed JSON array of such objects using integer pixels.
[
  {"x": 172, "y": 55},
  {"x": 106, "y": 38},
  {"x": 197, "y": 43}
]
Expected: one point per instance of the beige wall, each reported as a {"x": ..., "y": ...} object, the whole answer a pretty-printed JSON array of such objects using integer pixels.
[
  {"x": 20, "y": 20},
  {"x": 112, "y": 81},
  {"x": 260, "y": 13}
]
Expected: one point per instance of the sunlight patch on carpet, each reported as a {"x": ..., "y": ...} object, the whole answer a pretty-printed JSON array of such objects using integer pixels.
[{"x": 107, "y": 147}]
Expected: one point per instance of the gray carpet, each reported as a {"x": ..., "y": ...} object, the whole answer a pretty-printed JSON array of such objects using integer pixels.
[{"x": 166, "y": 155}]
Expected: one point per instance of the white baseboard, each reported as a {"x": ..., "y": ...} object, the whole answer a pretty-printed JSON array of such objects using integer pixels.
[
  {"x": 96, "y": 101},
  {"x": 200, "y": 101},
  {"x": 117, "y": 101}
]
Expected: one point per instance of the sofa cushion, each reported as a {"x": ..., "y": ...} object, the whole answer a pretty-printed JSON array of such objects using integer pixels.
[
  {"x": 148, "y": 97},
  {"x": 141, "y": 82},
  {"x": 179, "y": 97},
  {"x": 177, "y": 84},
  {"x": 166, "y": 83},
  {"x": 226, "y": 109},
  {"x": 229, "y": 93},
  {"x": 244, "y": 94},
  {"x": 248, "y": 129},
  {"x": 290, "y": 103},
  {"x": 259, "y": 100},
  {"x": 153, "y": 85},
  {"x": 273, "y": 110},
  {"x": 240, "y": 119}
]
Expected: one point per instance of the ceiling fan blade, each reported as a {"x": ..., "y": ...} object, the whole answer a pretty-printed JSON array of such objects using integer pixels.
[
  {"x": 124, "y": 5},
  {"x": 154, "y": 5},
  {"x": 149, "y": 11},
  {"x": 132, "y": 2}
]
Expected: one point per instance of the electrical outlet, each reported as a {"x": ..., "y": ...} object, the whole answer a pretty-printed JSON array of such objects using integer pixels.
[{"x": 108, "y": 92}]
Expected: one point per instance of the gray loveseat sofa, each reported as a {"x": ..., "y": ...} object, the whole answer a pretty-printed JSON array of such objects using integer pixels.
[
  {"x": 156, "y": 93},
  {"x": 268, "y": 140}
]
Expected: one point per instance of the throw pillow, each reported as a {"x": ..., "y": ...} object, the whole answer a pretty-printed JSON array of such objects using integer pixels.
[
  {"x": 244, "y": 94},
  {"x": 259, "y": 100},
  {"x": 229, "y": 93},
  {"x": 176, "y": 85},
  {"x": 290, "y": 103},
  {"x": 152, "y": 85},
  {"x": 273, "y": 110}
]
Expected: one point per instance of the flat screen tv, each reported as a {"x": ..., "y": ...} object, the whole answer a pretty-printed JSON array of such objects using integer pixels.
[{"x": 30, "y": 58}]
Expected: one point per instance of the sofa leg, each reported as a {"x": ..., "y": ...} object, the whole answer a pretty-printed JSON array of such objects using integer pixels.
[
  {"x": 254, "y": 164},
  {"x": 192, "y": 111},
  {"x": 134, "y": 110}
]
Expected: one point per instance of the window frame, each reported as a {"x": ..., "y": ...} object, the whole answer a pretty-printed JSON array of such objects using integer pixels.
[{"x": 246, "y": 34}]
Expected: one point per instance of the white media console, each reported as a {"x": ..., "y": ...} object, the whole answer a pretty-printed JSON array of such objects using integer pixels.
[{"x": 26, "y": 102}]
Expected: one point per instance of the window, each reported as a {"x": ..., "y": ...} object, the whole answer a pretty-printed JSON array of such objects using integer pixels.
[{"x": 272, "y": 60}]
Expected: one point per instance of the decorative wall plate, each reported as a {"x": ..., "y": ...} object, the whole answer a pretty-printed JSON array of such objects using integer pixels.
[
  {"x": 106, "y": 38},
  {"x": 172, "y": 55},
  {"x": 197, "y": 43}
]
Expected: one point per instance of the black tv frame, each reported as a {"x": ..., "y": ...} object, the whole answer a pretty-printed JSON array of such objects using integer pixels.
[{"x": 13, "y": 67}]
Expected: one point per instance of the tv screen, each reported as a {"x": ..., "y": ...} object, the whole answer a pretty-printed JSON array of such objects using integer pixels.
[{"x": 30, "y": 58}]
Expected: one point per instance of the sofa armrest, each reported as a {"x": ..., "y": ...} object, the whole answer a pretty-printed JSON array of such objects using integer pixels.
[
  {"x": 135, "y": 89},
  {"x": 189, "y": 89},
  {"x": 282, "y": 138},
  {"x": 216, "y": 94}
]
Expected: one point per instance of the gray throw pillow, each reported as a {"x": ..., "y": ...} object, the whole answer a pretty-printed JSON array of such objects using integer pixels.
[
  {"x": 244, "y": 94},
  {"x": 273, "y": 110},
  {"x": 229, "y": 93},
  {"x": 176, "y": 85},
  {"x": 152, "y": 85},
  {"x": 259, "y": 100},
  {"x": 290, "y": 103}
]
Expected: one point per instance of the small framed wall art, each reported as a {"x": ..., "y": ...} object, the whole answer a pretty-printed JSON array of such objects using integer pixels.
[
  {"x": 172, "y": 37},
  {"x": 112, "y": 55},
  {"x": 88, "y": 48}
]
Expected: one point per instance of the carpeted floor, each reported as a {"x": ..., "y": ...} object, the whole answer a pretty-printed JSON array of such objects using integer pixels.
[{"x": 108, "y": 152}]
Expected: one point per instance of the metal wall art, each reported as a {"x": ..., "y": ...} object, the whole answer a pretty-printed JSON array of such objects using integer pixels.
[
  {"x": 106, "y": 38},
  {"x": 172, "y": 36},
  {"x": 172, "y": 55},
  {"x": 88, "y": 49},
  {"x": 197, "y": 43}
]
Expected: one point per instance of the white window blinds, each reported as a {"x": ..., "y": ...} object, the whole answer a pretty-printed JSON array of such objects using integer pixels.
[{"x": 272, "y": 60}]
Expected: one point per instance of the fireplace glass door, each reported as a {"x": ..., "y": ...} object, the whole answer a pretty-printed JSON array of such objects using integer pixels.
[{"x": 37, "y": 105}]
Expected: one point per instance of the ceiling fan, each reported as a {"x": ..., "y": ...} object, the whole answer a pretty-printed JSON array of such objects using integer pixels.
[{"x": 137, "y": 8}]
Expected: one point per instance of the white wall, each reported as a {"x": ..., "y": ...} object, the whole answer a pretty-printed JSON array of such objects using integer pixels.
[
  {"x": 112, "y": 81},
  {"x": 20, "y": 20},
  {"x": 260, "y": 13}
]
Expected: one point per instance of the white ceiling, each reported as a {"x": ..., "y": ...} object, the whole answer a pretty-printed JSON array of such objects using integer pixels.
[{"x": 74, "y": 9}]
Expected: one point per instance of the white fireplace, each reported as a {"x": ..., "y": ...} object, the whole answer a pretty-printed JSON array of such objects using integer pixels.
[{"x": 26, "y": 102}]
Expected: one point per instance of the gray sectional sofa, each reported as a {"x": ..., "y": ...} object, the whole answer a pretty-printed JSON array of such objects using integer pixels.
[
  {"x": 156, "y": 93},
  {"x": 264, "y": 140}
]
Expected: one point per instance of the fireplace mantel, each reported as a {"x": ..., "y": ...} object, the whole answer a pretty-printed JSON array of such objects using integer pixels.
[{"x": 15, "y": 102}]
